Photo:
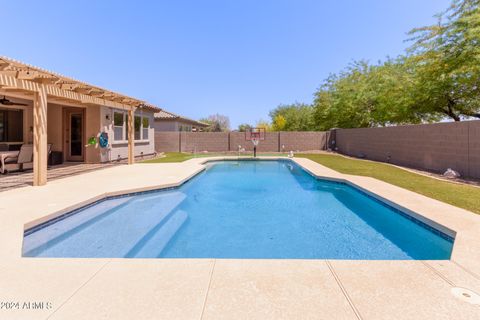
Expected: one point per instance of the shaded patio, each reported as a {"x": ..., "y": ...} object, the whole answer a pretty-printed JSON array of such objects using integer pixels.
[
  {"x": 19, "y": 179},
  {"x": 81, "y": 118}
]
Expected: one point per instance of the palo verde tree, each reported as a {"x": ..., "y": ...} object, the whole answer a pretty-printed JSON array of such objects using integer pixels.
[
  {"x": 365, "y": 95},
  {"x": 446, "y": 58},
  {"x": 439, "y": 77}
]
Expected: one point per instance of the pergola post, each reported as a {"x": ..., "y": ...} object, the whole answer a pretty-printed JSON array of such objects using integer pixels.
[
  {"x": 40, "y": 156},
  {"x": 131, "y": 136}
]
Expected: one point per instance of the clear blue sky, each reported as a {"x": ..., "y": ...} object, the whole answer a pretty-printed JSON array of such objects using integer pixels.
[{"x": 240, "y": 58}]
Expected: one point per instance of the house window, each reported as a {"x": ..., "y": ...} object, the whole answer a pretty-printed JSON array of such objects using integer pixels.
[
  {"x": 120, "y": 126},
  {"x": 118, "y": 123},
  {"x": 138, "y": 125},
  {"x": 145, "y": 126}
]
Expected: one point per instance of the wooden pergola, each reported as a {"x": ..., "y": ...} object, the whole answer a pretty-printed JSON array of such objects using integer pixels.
[{"x": 43, "y": 86}]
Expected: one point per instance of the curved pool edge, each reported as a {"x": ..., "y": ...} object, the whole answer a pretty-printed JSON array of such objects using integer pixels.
[
  {"x": 415, "y": 217},
  {"x": 465, "y": 224}
]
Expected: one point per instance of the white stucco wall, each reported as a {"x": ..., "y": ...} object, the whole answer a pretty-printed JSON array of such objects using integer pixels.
[{"x": 119, "y": 149}]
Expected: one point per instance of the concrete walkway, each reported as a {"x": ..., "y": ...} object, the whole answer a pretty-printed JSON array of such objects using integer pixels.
[{"x": 222, "y": 288}]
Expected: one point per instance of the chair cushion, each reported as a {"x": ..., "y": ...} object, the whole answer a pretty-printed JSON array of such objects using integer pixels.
[{"x": 26, "y": 154}]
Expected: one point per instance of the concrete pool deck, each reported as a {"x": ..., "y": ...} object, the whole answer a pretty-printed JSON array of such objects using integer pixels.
[{"x": 221, "y": 288}]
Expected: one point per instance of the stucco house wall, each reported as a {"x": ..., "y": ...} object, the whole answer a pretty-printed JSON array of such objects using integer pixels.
[{"x": 118, "y": 149}]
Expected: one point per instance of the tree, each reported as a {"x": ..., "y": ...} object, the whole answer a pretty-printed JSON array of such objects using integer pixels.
[
  {"x": 279, "y": 123},
  {"x": 446, "y": 57},
  {"x": 244, "y": 127},
  {"x": 365, "y": 95},
  {"x": 343, "y": 100},
  {"x": 292, "y": 117},
  {"x": 438, "y": 78},
  {"x": 264, "y": 124},
  {"x": 217, "y": 123}
]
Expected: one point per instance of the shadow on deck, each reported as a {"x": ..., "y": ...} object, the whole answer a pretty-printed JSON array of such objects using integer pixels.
[{"x": 19, "y": 179}]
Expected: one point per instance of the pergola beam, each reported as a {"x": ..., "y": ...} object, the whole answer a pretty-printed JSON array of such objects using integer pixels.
[
  {"x": 11, "y": 73},
  {"x": 27, "y": 75},
  {"x": 19, "y": 71},
  {"x": 131, "y": 136},
  {"x": 11, "y": 83},
  {"x": 40, "y": 152},
  {"x": 68, "y": 86}
]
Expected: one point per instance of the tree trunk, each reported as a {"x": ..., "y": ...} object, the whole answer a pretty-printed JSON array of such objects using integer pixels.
[{"x": 449, "y": 112}]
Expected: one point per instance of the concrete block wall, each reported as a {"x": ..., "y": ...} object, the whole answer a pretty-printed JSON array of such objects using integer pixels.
[
  {"x": 270, "y": 144},
  {"x": 432, "y": 147},
  {"x": 229, "y": 141},
  {"x": 204, "y": 141},
  {"x": 167, "y": 141},
  {"x": 474, "y": 149},
  {"x": 303, "y": 141}
]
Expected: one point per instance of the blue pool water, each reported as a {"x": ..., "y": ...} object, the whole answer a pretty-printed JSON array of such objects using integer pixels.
[{"x": 241, "y": 209}]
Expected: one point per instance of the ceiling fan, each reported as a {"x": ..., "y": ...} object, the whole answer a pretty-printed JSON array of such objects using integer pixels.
[{"x": 7, "y": 102}]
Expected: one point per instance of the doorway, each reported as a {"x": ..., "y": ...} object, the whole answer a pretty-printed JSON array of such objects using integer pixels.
[{"x": 74, "y": 134}]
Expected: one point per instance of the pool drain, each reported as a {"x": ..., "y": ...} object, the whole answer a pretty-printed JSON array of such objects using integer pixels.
[{"x": 466, "y": 295}]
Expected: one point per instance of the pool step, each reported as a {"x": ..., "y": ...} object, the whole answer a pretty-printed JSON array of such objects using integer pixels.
[
  {"x": 117, "y": 233},
  {"x": 75, "y": 222},
  {"x": 157, "y": 239}
]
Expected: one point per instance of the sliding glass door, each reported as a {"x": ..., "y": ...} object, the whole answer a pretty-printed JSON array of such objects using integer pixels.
[{"x": 11, "y": 125}]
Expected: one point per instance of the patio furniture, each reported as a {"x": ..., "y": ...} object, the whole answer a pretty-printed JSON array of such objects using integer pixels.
[
  {"x": 7, "y": 157},
  {"x": 55, "y": 158},
  {"x": 17, "y": 159}
]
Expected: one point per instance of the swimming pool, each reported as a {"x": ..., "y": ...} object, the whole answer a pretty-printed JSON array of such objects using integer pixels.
[{"x": 241, "y": 209}]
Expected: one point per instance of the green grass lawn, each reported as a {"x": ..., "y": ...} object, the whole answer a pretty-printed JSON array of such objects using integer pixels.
[
  {"x": 463, "y": 196},
  {"x": 460, "y": 195},
  {"x": 171, "y": 157}
]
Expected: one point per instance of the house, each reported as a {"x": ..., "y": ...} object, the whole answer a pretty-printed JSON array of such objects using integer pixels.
[
  {"x": 167, "y": 121},
  {"x": 80, "y": 121}
]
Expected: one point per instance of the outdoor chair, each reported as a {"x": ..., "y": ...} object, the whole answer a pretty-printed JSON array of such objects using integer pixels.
[{"x": 16, "y": 161}]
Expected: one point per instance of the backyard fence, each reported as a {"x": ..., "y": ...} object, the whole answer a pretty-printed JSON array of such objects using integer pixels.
[
  {"x": 431, "y": 147},
  {"x": 233, "y": 141}
]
